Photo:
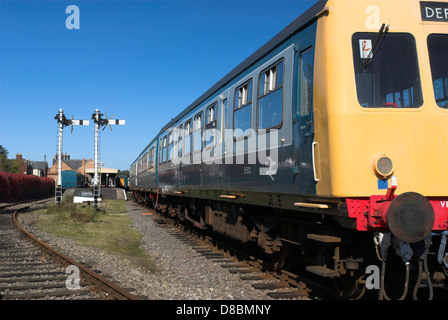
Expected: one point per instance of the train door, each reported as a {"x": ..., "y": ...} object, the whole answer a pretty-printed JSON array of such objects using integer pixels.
[{"x": 306, "y": 177}]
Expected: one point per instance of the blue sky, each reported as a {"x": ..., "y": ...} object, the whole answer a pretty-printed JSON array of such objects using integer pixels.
[{"x": 141, "y": 61}]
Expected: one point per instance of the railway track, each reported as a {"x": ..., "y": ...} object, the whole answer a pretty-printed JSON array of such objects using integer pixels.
[
  {"x": 279, "y": 284},
  {"x": 32, "y": 269},
  {"x": 283, "y": 285}
]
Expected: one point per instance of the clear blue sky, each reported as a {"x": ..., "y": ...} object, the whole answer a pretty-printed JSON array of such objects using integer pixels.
[{"x": 142, "y": 61}]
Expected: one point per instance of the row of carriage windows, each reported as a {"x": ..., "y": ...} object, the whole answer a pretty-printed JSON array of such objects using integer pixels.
[
  {"x": 267, "y": 96},
  {"x": 269, "y": 115}
]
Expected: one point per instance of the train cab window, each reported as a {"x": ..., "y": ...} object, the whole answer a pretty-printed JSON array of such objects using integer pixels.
[
  {"x": 386, "y": 70},
  {"x": 210, "y": 126},
  {"x": 197, "y": 133},
  {"x": 438, "y": 53},
  {"x": 242, "y": 113},
  {"x": 188, "y": 131},
  {"x": 270, "y": 97}
]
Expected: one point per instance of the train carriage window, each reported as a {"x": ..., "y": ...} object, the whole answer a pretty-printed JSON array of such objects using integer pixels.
[
  {"x": 211, "y": 115},
  {"x": 242, "y": 112},
  {"x": 151, "y": 158},
  {"x": 140, "y": 165},
  {"x": 180, "y": 133},
  {"x": 210, "y": 126},
  {"x": 223, "y": 118},
  {"x": 270, "y": 97},
  {"x": 387, "y": 76},
  {"x": 438, "y": 53},
  {"x": 163, "y": 150},
  {"x": 133, "y": 172},
  {"x": 160, "y": 151},
  {"x": 197, "y": 133},
  {"x": 188, "y": 132},
  {"x": 145, "y": 161},
  {"x": 170, "y": 146}
]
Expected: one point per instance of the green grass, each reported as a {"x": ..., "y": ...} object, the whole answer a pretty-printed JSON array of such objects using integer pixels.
[{"x": 108, "y": 229}]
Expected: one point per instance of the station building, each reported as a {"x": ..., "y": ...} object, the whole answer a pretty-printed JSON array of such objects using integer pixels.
[{"x": 84, "y": 167}]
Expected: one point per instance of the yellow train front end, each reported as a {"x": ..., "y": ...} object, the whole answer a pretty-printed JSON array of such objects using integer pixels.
[{"x": 381, "y": 110}]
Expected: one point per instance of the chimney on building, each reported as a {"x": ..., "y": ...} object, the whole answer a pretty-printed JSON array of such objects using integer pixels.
[
  {"x": 83, "y": 166},
  {"x": 18, "y": 156}
]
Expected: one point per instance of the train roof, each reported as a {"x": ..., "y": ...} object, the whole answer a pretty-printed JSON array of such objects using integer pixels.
[{"x": 289, "y": 30}]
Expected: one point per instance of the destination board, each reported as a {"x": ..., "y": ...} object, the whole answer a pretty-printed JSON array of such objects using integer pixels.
[{"x": 434, "y": 11}]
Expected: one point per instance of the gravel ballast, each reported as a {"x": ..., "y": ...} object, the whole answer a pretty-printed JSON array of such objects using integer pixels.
[{"x": 183, "y": 273}]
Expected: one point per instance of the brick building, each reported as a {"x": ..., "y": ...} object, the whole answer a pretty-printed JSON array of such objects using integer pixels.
[
  {"x": 82, "y": 166},
  {"x": 37, "y": 168},
  {"x": 78, "y": 165}
]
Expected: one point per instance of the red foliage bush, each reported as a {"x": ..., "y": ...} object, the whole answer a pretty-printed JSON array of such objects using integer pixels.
[{"x": 16, "y": 187}]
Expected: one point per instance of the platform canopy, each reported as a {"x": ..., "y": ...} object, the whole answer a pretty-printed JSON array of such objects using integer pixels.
[
  {"x": 104, "y": 174},
  {"x": 103, "y": 170}
]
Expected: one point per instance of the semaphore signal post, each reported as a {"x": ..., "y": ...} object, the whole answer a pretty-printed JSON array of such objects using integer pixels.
[
  {"x": 100, "y": 122},
  {"x": 62, "y": 123}
]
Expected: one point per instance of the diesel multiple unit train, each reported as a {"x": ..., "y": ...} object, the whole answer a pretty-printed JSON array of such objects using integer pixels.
[{"x": 327, "y": 148}]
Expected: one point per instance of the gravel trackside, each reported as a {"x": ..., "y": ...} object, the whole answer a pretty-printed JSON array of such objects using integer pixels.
[{"x": 183, "y": 273}]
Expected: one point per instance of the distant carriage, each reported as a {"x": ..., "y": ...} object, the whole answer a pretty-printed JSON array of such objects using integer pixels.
[
  {"x": 72, "y": 180},
  {"x": 121, "y": 182}
]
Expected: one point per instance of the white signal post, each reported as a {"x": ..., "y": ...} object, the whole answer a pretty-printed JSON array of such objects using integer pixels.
[
  {"x": 63, "y": 122},
  {"x": 100, "y": 122}
]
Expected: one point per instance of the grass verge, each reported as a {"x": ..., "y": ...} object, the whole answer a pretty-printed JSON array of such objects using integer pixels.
[{"x": 108, "y": 229}]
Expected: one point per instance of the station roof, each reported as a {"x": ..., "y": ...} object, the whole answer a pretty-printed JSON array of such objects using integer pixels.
[{"x": 102, "y": 170}]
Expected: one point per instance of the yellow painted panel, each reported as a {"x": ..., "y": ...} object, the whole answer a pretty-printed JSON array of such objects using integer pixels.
[{"x": 350, "y": 136}]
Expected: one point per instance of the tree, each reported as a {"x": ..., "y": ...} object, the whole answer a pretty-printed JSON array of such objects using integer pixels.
[
  {"x": 3, "y": 151},
  {"x": 4, "y": 162},
  {"x": 6, "y": 165},
  {"x": 123, "y": 173}
]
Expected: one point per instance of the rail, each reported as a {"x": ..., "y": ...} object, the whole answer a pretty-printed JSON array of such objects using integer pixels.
[{"x": 113, "y": 291}]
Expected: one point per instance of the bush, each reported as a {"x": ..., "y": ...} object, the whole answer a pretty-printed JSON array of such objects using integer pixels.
[{"x": 69, "y": 211}]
